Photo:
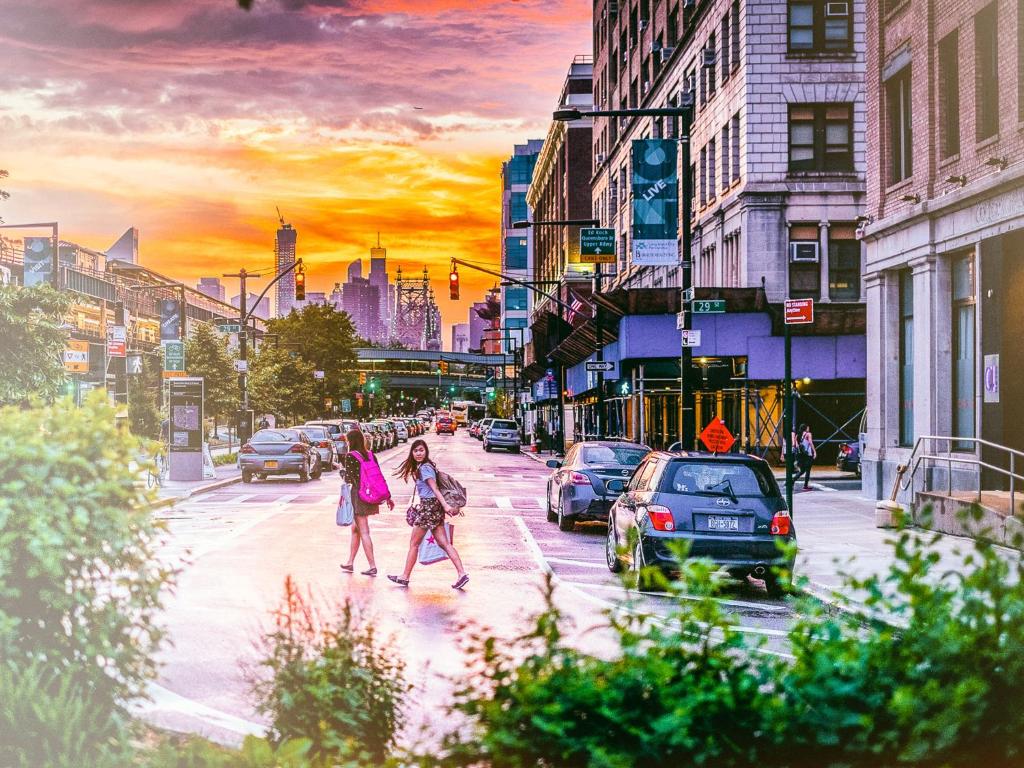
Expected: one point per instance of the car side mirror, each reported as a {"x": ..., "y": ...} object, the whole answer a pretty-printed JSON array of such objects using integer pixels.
[
  {"x": 553, "y": 463},
  {"x": 616, "y": 485}
]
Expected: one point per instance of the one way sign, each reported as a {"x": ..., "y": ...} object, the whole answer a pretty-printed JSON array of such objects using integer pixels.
[{"x": 597, "y": 245}]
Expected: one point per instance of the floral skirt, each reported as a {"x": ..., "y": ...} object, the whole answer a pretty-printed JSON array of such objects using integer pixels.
[{"x": 428, "y": 514}]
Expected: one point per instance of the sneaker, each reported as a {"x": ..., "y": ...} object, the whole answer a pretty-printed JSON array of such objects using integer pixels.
[
  {"x": 399, "y": 580},
  {"x": 463, "y": 581}
]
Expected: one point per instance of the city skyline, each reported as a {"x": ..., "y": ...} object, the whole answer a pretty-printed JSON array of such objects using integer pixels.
[{"x": 198, "y": 160}]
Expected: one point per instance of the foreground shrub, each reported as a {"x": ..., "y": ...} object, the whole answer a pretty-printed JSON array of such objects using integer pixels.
[
  {"x": 79, "y": 580},
  {"x": 934, "y": 685},
  {"x": 195, "y": 752},
  {"x": 330, "y": 681}
]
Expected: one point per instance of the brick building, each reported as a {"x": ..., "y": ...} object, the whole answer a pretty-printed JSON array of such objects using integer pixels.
[
  {"x": 776, "y": 177},
  {"x": 944, "y": 229}
]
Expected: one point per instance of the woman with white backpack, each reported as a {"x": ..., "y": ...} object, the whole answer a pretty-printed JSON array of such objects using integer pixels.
[
  {"x": 369, "y": 490},
  {"x": 429, "y": 514}
]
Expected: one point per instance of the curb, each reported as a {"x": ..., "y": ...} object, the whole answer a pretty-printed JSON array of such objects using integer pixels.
[
  {"x": 833, "y": 605},
  {"x": 216, "y": 485}
]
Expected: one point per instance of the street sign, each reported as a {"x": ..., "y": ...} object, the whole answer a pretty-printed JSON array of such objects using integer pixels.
[
  {"x": 597, "y": 245},
  {"x": 687, "y": 295},
  {"x": 717, "y": 437},
  {"x": 229, "y": 327},
  {"x": 76, "y": 356},
  {"x": 242, "y": 366},
  {"x": 346, "y": 406},
  {"x": 318, "y": 374},
  {"x": 603, "y": 365},
  {"x": 117, "y": 339},
  {"x": 174, "y": 359},
  {"x": 691, "y": 338},
  {"x": 708, "y": 306},
  {"x": 799, "y": 311}
]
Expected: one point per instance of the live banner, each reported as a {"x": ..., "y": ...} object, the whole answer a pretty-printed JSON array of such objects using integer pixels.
[{"x": 655, "y": 203}]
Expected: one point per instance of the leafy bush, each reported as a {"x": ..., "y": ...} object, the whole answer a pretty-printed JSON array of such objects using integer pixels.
[
  {"x": 79, "y": 580},
  {"x": 195, "y": 752},
  {"x": 937, "y": 689},
  {"x": 222, "y": 459},
  {"x": 330, "y": 682}
]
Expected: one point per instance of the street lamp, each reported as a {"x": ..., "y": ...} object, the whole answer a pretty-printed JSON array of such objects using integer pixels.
[{"x": 688, "y": 427}]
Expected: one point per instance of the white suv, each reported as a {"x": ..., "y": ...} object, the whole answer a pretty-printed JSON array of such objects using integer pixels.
[{"x": 402, "y": 429}]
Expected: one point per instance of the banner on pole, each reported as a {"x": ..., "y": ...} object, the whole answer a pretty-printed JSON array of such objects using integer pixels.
[
  {"x": 170, "y": 320},
  {"x": 38, "y": 261},
  {"x": 655, "y": 203}
]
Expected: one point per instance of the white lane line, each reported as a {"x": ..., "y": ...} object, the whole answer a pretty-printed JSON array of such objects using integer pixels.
[
  {"x": 723, "y": 601},
  {"x": 503, "y": 502},
  {"x": 164, "y": 700},
  {"x": 542, "y": 503},
  {"x": 577, "y": 563}
]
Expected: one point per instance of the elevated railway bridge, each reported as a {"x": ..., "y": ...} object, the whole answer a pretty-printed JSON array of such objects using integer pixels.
[{"x": 414, "y": 369}]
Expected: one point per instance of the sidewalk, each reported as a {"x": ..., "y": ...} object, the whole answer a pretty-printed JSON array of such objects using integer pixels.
[{"x": 176, "y": 490}]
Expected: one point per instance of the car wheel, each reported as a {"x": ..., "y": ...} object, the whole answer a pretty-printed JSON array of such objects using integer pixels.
[
  {"x": 776, "y": 586},
  {"x": 611, "y": 549},
  {"x": 550, "y": 512},
  {"x": 565, "y": 523},
  {"x": 247, "y": 477}
]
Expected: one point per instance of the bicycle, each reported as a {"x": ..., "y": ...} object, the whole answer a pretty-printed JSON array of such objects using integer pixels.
[{"x": 157, "y": 473}]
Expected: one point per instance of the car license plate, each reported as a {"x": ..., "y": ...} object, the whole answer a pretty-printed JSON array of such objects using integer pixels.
[
  {"x": 270, "y": 465},
  {"x": 723, "y": 523}
]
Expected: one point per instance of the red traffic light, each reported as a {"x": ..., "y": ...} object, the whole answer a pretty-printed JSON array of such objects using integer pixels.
[{"x": 453, "y": 285}]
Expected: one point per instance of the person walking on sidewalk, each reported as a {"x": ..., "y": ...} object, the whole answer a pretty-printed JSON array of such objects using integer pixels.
[
  {"x": 428, "y": 515},
  {"x": 351, "y": 472},
  {"x": 805, "y": 454}
]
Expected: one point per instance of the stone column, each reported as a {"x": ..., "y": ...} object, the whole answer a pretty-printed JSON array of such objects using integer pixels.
[
  {"x": 823, "y": 259},
  {"x": 926, "y": 330},
  {"x": 882, "y": 383}
]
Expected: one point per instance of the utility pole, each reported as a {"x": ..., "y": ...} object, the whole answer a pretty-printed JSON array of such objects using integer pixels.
[{"x": 687, "y": 411}]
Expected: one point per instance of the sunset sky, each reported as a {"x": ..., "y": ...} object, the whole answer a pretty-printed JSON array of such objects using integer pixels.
[{"x": 192, "y": 119}]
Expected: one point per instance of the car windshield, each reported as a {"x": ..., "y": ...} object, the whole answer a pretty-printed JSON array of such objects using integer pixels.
[
  {"x": 499, "y": 424},
  {"x": 318, "y": 433},
  {"x": 606, "y": 454},
  {"x": 719, "y": 478},
  {"x": 275, "y": 436}
]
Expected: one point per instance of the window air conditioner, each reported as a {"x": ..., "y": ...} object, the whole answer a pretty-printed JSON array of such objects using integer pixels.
[
  {"x": 709, "y": 57},
  {"x": 647, "y": 85},
  {"x": 666, "y": 54},
  {"x": 803, "y": 252},
  {"x": 837, "y": 9}
]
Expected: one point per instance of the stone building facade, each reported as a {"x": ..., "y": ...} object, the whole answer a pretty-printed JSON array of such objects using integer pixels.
[{"x": 944, "y": 232}]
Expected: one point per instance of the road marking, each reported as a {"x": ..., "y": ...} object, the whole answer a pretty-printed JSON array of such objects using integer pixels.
[
  {"x": 579, "y": 563},
  {"x": 722, "y": 600},
  {"x": 542, "y": 503},
  {"x": 503, "y": 502}
]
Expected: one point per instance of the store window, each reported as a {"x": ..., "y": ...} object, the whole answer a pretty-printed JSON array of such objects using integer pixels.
[
  {"x": 963, "y": 332},
  {"x": 906, "y": 356},
  {"x": 843, "y": 263},
  {"x": 804, "y": 262}
]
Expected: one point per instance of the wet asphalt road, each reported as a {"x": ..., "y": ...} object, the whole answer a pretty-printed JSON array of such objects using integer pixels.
[{"x": 236, "y": 546}]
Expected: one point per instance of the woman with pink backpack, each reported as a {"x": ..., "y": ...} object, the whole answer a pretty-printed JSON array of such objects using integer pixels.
[{"x": 369, "y": 491}]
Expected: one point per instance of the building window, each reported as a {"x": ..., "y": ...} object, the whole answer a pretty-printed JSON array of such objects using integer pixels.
[
  {"x": 711, "y": 61},
  {"x": 515, "y": 298},
  {"x": 735, "y": 36},
  {"x": 736, "y": 147},
  {"x": 949, "y": 94},
  {"x": 726, "y": 48},
  {"x": 703, "y": 177},
  {"x": 515, "y": 253},
  {"x": 1020, "y": 62},
  {"x": 986, "y": 72},
  {"x": 963, "y": 348},
  {"x": 520, "y": 169},
  {"x": 711, "y": 170},
  {"x": 843, "y": 263},
  {"x": 672, "y": 32},
  {"x": 820, "y": 137},
  {"x": 820, "y": 26},
  {"x": 517, "y": 209},
  {"x": 726, "y": 177},
  {"x": 691, "y": 182},
  {"x": 897, "y": 98},
  {"x": 906, "y": 344},
  {"x": 804, "y": 264}
]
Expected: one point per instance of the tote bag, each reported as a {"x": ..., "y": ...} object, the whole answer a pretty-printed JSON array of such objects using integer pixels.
[
  {"x": 345, "y": 514},
  {"x": 430, "y": 550}
]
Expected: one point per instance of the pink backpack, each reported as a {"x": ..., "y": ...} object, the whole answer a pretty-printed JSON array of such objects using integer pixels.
[{"x": 373, "y": 488}]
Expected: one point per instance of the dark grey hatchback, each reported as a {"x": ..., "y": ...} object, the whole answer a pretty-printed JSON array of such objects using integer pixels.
[
  {"x": 577, "y": 489},
  {"x": 728, "y": 508}
]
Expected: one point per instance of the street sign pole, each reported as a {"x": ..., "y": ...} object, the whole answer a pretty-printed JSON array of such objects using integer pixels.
[
  {"x": 599, "y": 336},
  {"x": 787, "y": 416},
  {"x": 687, "y": 406}
]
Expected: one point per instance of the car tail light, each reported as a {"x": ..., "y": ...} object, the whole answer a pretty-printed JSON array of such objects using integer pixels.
[
  {"x": 661, "y": 517},
  {"x": 247, "y": 449},
  {"x": 578, "y": 478},
  {"x": 297, "y": 448},
  {"x": 845, "y": 450},
  {"x": 325, "y": 443},
  {"x": 781, "y": 523}
]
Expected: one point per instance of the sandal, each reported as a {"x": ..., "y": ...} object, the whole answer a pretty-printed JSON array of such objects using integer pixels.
[
  {"x": 463, "y": 581},
  {"x": 348, "y": 568},
  {"x": 399, "y": 580},
  {"x": 369, "y": 572}
]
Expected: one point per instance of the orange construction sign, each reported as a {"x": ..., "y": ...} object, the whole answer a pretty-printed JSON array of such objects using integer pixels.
[{"x": 717, "y": 437}]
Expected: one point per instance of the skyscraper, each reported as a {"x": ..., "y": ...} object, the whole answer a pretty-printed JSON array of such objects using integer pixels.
[
  {"x": 460, "y": 337},
  {"x": 284, "y": 253},
  {"x": 379, "y": 279},
  {"x": 210, "y": 286},
  {"x": 361, "y": 301},
  {"x": 262, "y": 309},
  {"x": 517, "y": 245}
]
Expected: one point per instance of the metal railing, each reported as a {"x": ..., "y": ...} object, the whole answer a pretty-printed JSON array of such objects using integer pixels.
[{"x": 928, "y": 453}]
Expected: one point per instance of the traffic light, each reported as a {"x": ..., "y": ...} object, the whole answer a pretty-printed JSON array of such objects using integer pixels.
[
  {"x": 453, "y": 284},
  {"x": 373, "y": 385},
  {"x": 452, "y": 389},
  {"x": 442, "y": 367},
  {"x": 362, "y": 378},
  {"x": 300, "y": 284}
]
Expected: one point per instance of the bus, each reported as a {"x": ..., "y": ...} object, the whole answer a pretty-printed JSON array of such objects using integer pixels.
[{"x": 465, "y": 412}]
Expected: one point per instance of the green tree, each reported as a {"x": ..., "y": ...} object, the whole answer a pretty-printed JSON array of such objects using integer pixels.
[
  {"x": 282, "y": 385},
  {"x": 326, "y": 339},
  {"x": 31, "y": 342},
  {"x": 206, "y": 355}
]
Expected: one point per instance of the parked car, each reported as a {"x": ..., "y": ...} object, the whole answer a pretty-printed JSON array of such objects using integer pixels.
[
  {"x": 279, "y": 452},
  {"x": 337, "y": 430},
  {"x": 502, "y": 433},
  {"x": 444, "y": 425},
  {"x": 390, "y": 433},
  {"x": 848, "y": 459},
  {"x": 321, "y": 440},
  {"x": 577, "y": 489},
  {"x": 401, "y": 429},
  {"x": 484, "y": 426},
  {"x": 727, "y": 507},
  {"x": 374, "y": 436},
  {"x": 415, "y": 427},
  {"x": 474, "y": 429}
]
